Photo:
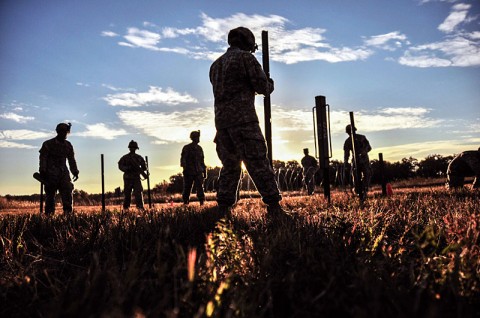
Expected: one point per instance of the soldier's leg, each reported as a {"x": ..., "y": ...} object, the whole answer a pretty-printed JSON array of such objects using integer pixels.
[
  {"x": 66, "y": 189},
  {"x": 50, "y": 191},
  {"x": 187, "y": 188},
  {"x": 231, "y": 169},
  {"x": 199, "y": 186},
  {"x": 127, "y": 191},
  {"x": 138, "y": 193}
]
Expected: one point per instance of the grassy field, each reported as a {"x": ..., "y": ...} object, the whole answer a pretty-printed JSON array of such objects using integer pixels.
[{"x": 414, "y": 254}]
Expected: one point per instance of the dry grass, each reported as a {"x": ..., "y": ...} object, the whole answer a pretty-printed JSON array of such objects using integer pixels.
[{"x": 415, "y": 254}]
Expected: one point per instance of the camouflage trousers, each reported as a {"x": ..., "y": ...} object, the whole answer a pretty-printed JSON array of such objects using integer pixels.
[
  {"x": 64, "y": 186},
  {"x": 245, "y": 144},
  {"x": 309, "y": 180},
  {"x": 135, "y": 185},
  {"x": 364, "y": 172},
  {"x": 188, "y": 181}
]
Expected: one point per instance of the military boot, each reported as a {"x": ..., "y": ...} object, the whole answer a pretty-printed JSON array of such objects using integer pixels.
[
  {"x": 275, "y": 211},
  {"x": 225, "y": 211}
]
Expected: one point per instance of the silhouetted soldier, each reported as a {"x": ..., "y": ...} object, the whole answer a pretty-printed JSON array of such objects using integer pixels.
[
  {"x": 236, "y": 76},
  {"x": 310, "y": 166},
  {"x": 133, "y": 166},
  {"x": 465, "y": 164},
  {"x": 54, "y": 155},
  {"x": 194, "y": 170},
  {"x": 362, "y": 149}
]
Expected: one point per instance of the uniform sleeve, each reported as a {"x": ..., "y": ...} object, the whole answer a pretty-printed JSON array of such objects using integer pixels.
[
  {"x": 72, "y": 163},
  {"x": 122, "y": 164},
  {"x": 202, "y": 160},
  {"x": 183, "y": 157},
  {"x": 257, "y": 76},
  {"x": 347, "y": 146},
  {"x": 43, "y": 161}
]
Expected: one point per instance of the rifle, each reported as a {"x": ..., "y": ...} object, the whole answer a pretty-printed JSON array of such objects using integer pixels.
[
  {"x": 133, "y": 163},
  {"x": 148, "y": 184},
  {"x": 266, "y": 100},
  {"x": 357, "y": 182},
  {"x": 37, "y": 176}
]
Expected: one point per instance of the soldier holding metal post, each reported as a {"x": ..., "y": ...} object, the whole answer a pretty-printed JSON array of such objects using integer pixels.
[
  {"x": 133, "y": 166},
  {"x": 54, "y": 173},
  {"x": 194, "y": 169},
  {"x": 236, "y": 77},
  {"x": 362, "y": 162}
]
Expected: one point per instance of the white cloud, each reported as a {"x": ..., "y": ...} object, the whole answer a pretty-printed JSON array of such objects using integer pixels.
[
  {"x": 291, "y": 45},
  {"x": 171, "y": 127},
  {"x": 384, "y": 41},
  {"x": 9, "y": 144},
  {"x": 154, "y": 96},
  {"x": 455, "y": 18},
  {"x": 101, "y": 131},
  {"x": 16, "y": 118},
  {"x": 460, "y": 50},
  {"x": 109, "y": 34},
  {"x": 22, "y": 134}
]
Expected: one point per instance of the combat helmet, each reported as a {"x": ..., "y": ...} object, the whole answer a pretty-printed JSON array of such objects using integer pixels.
[
  {"x": 242, "y": 38},
  {"x": 195, "y": 134},
  {"x": 133, "y": 144},
  {"x": 348, "y": 129},
  {"x": 63, "y": 127}
]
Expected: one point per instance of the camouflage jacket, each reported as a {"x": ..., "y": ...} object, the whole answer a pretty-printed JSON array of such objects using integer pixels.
[
  {"x": 362, "y": 145},
  {"x": 132, "y": 165},
  {"x": 236, "y": 76},
  {"x": 309, "y": 162},
  {"x": 54, "y": 155},
  {"x": 192, "y": 159},
  {"x": 466, "y": 163}
]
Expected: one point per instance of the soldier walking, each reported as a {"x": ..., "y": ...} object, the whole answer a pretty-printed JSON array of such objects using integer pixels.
[
  {"x": 236, "y": 77},
  {"x": 464, "y": 165},
  {"x": 310, "y": 167},
  {"x": 194, "y": 170},
  {"x": 133, "y": 166},
  {"x": 362, "y": 148},
  {"x": 54, "y": 172}
]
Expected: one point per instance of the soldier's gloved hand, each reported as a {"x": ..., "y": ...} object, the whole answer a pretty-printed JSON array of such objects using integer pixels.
[{"x": 75, "y": 177}]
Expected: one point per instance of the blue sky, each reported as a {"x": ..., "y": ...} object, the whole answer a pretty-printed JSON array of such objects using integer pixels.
[{"x": 123, "y": 70}]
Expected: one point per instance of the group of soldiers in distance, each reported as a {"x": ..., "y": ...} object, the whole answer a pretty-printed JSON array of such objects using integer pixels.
[{"x": 236, "y": 77}]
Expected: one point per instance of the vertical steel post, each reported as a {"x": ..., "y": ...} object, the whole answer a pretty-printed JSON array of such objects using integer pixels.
[
  {"x": 148, "y": 184},
  {"x": 382, "y": 174},
  {"x": 41, "y": 197},
  {"x": 103, "y": 181},
  {"x": 324, "y": 147},
  {"x": 358, "y": 182},
  {"x": 266, "y": 100}
]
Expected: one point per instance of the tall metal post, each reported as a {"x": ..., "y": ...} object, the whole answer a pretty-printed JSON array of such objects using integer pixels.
[
  {"x": 103, "y": 182},
  {"x": 148, "y": 184},
  {"x": 382, "y": 174},
  {"x": 324, "y": 141},
  {"x": 41, "y": 197},
  {"x": 358, "y": 182},
  {"x": 266, "y": 100}
]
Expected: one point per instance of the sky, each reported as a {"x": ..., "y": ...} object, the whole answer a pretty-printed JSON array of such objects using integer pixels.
[{"x": 138, "y": 70}]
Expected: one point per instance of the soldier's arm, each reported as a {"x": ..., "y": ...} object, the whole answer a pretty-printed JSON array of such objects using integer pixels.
[
  {"x": 72, "y": 163},
  {"x": 183, "y": 158},
  {"x": 257, "y": 76},
  {"x": 43, "y": 158}
]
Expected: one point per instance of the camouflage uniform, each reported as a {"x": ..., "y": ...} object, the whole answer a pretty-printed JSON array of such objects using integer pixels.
[
  {"x": 192, "y": 161},
  {"x": 236, "y": 76},
  {"x": 465, "y": 164},
  {"x": 364, "y": 170},
  {"x": 132, "y": 166},
  {"x": 310, "y": 166},
  {"x": 53, "y": 168}
]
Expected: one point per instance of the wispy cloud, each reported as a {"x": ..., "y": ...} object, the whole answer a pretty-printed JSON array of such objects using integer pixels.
[
  {"x": 10, "y": 144},
  {"x": 292, "y": 45},
  {"x": 110, "y": 34},
  {"x": 171, "y": 127},
  {"x": 22, "y": 134},
  {"x": 462, "y": 50},
  {"x": 102, "y": 131},
  {"x": 16, "y": 118},
  {"x": 455, "y": 18},
  {"x": 154, "y": 96},
  {"x": 389, "y": 41}
]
